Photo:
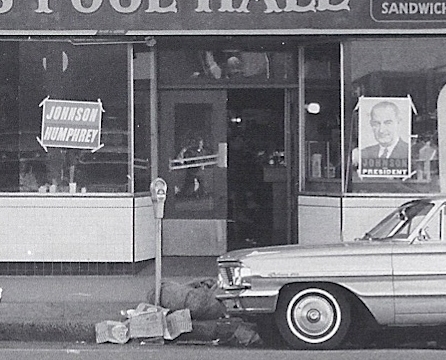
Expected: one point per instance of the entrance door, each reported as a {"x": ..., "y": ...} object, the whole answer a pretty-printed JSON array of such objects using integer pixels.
[
  {"x": 208, "y": 205},
  {"x": 192, "y": 160},
  {"x": 257, "y": 171}
]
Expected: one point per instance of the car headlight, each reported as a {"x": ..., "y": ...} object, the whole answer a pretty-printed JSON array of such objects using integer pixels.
[{"x": 233, "y": 276}]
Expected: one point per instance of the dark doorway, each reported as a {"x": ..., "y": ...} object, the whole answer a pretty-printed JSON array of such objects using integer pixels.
[{"x": 255, "y": 146}]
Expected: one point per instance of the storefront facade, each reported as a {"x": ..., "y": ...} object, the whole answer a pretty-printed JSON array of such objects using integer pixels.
[{"x": 256, "y": 113}]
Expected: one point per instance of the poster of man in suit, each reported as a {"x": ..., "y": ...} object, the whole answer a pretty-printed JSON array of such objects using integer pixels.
[{"x": 384, "y": 137}]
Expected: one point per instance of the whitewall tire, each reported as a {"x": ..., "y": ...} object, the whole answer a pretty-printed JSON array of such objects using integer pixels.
[{"x": 313, "y": 317}]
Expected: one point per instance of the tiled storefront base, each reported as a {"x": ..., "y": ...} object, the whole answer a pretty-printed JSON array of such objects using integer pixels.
[{"x": 70, "y": 268}]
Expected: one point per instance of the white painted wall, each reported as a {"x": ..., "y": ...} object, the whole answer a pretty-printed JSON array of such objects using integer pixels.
[
  {"x": 122, "y": 229},
  {"x": 66, "y": 228},
  {"x": 332, "y": 219},
  {"x": 319, "y": 219},
  {"x": 145, "y": 242}
]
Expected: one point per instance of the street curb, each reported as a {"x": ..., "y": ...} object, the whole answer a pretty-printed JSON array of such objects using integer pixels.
[
  {"x": 206, "y": 330},
  {"x": 48, "y": 332}
]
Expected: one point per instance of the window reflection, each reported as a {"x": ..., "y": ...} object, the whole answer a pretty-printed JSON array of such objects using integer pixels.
[
  {"x": 192, "y": 66},
  {"x": 194, "y": 181},
  {"x": 230, "y": 64}
]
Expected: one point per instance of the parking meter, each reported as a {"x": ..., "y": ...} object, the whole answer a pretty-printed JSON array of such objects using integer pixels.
[{"x": 158, "y": 189}]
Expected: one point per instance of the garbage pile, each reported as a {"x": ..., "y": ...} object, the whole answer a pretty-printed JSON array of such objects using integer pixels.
[
  {"x": 147, "y": 321},
  {"x": 179, "y": 306}
]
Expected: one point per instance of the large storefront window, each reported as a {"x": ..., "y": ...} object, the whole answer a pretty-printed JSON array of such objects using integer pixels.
[
  {"x": 322, "y": 118},
  {"x": 391, "y": 127},
  {"x": 33, "y": 71}
]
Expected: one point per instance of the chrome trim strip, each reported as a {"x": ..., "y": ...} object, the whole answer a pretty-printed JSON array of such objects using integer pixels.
[{"x": 248, "y": 293}]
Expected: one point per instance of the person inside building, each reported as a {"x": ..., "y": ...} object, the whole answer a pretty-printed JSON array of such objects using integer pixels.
[{"x": 193, "y": 186}]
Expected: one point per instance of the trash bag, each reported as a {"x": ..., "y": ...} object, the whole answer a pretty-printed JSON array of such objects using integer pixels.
[
  {"x": 245, "y": 334},
  {"x": 198, "y": 296}
]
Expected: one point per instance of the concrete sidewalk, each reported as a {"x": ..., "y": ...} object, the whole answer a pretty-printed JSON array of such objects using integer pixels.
[{"x": 66, "y": 308}]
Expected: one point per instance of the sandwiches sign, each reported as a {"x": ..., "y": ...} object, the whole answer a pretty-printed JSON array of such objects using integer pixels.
[{"x": 404, "y": 10}]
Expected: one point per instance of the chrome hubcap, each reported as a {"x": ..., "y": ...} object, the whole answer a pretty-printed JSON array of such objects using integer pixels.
[{"x": 313, "y": 315}]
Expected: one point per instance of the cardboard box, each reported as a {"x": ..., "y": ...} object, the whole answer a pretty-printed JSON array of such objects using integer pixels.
[
  {"x": 111, "y": 331},
  {"x": 147, "y": 325},
  {"x": 177, "y": 323}
]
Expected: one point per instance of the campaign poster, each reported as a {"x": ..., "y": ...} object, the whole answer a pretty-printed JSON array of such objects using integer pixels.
[
  {"x": 384, "y": 136},
  {"x": 71, "y": 124}
]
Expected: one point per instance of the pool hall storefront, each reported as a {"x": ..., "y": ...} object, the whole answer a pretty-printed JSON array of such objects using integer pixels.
[{"x": 254, "y": 112}]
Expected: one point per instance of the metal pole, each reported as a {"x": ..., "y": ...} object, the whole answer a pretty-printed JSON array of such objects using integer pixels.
[
  {"x": 158, "y": 262},
  {"x": 154, "y": 140}
]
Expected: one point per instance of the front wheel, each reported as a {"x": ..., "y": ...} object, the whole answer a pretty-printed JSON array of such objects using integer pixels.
[{"x": 313, "y": 317}]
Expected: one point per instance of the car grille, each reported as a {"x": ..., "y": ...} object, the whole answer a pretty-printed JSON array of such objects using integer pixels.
[{"x": 227, "y": 275}]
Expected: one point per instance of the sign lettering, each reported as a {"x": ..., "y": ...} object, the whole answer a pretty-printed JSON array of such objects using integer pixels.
[
  {"x": 95, "y": 5},
  {"x": 71, "y": 124},
  {"x": 132, "y": 7},
  {"x": 420, "y": 10},
  {"x": 207, "y": 6},
  {"x": 271, "y": 6},
  {"x": 43, "y": 7},
  {"x": 154, "y": 6}
]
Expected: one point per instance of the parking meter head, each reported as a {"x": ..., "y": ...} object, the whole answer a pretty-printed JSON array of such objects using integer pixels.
[{"x": 158, "y": 190}]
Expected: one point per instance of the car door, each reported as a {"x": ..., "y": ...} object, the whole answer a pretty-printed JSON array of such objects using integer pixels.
[{"x": 419, "y": 272}]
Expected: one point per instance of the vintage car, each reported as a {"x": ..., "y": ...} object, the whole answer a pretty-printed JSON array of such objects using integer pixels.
[{"x": 395, "y": 275}]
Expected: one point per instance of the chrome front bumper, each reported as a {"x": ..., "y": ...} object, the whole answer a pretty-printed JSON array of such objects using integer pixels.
[{"x": 248, "y": 301}]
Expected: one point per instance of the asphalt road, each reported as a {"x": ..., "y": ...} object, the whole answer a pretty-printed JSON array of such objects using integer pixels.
[{"x": 56, "y": 351}]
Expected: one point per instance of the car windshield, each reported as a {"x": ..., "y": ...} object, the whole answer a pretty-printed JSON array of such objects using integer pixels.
[{"x": 401, "y": 222}]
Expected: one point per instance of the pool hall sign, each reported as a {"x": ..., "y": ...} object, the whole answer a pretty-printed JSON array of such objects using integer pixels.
[
  {"x": 172, "y": 6},
  {"x": 174, "y": 16},
  {"x": 223, "y": 17}
]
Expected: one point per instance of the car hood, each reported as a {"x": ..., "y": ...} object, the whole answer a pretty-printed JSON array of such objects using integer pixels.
[
  {"x": 339, "y": 258},
  {"x": 285, "y": 251}
]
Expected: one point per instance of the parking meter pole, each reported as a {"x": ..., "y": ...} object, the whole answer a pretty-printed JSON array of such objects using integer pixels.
[
  {"x": 158, "y": 190},
  {"x": 158, "y": 259}
]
